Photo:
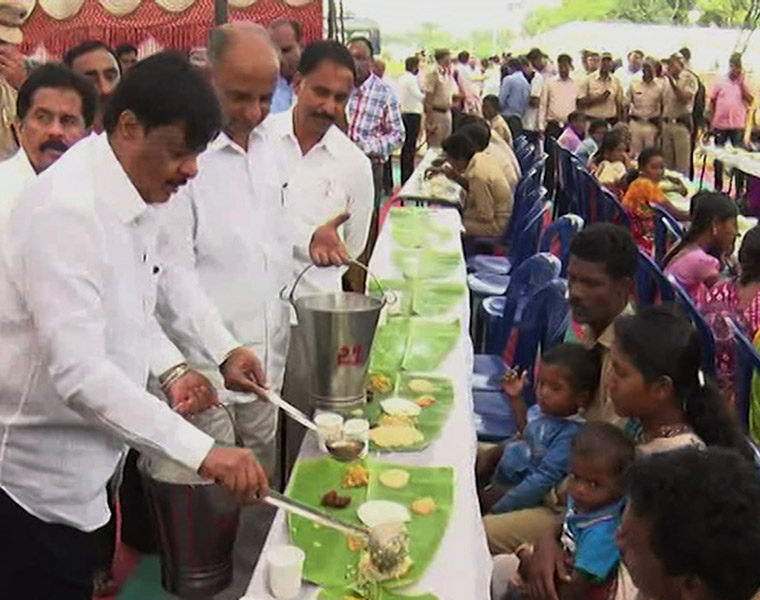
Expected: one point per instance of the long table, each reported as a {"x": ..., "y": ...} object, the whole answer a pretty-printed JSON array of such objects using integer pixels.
[
  {"x": 439, "y": 190},
  {"x": 733, "y": 158},
  {"x": 462, "y": 566}
]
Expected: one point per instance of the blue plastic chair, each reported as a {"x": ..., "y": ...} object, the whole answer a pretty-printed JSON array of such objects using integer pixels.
[
  {"x": 652, "y": 285},
  {"x": 703, "y": 327},
  {"x": 667, "y": 233},
  {"x": 527, "y": 195},
  {"x": 544, "y": 323},
  {"x": 485, "y": 283},
  {"x": 526, "y": 156},
  {"x": 501, "y": 313},
  {"x": 747, "y": 364},
  {"x": 613, "y": 210},
  {"x": 559, "y": 235},
  {"x": 520, "y": 143}
]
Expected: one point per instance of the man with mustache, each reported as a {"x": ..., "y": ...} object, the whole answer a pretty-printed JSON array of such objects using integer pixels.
[
  {"x": 96, "y": 61},
  {"x": 55, "y": 108},
  {"x": 79, "y": 276},
  {"x": 323, "y": 175},
  {"x": 228, "y": 232}
]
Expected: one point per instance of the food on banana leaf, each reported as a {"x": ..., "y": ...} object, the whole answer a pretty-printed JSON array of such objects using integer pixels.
[
  {"x": 387, "y": 555},
  {"x": 356, "y": 477},
  {"x": 355, "y": 542},
  {"x": 395, "y": 436},
  {"x": 424, "y": 401},
  {"x": 401, "y": 420},
  {"x": 335, "y": 500},
  {"x": 379, "y": 384},
  {"x": 400, "y": 406},
  {"x": 421, "y": 386},
  {"x": 395, "y": 479},
  {"x": 382, "y": 512},
  {"x": 424, "y": 507}
]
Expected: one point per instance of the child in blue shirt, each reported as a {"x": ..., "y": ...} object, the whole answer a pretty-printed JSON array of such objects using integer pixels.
[
  {"x": 534, "y": 464},
  {"x": 601, "y": 455}
]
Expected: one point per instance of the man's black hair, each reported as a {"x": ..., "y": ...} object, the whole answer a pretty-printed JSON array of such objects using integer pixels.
[
  {"x": 411, "y": 63},
  {"x": 576, "y": 115},
  {"x": 294, "y": 25},
  {"x": 86, "y": 48},
  {"x": 58, "y": 77},
  {"x": 125, "y": 48},
  {"x": 366, "y": 41},
  {"x": 703, "y": 507},
  {"x": 493, "y": 100},
  {"x": 463, "y": 56},
  {"x": 598, "y": 125},
  {"x": 648, "y": 154},
  {"x": 686, "y": 53},
  {"x": 325, "y": 50},
  {"x": 186, "y": 98},
  {"x": 607, "y": 244},
  {"x": 459, "y": 146}
]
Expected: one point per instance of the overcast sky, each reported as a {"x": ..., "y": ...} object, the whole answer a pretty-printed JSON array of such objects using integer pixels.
[{"x": 458, "y": 16}]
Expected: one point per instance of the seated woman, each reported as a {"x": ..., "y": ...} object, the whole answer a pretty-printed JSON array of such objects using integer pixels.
[
  {"x": 645, "y": 193},
  {"x": 698, "y": 260},
  {"x": 610, "y": 163},
  {"x": 488, "y": 205},
  {"x": 737, "y": 299}
]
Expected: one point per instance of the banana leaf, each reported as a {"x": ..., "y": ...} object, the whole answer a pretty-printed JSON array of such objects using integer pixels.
[
  {"x": 398, "y": 292},
  {"x": 389, "y": 346},
  {"x": 329, "y": 562},
  {"x": 415, "y": 229},
  {"x": 428, "y": 344},
  {"x": 378, "y": 593},
  {"x": 427, "y": 263},
  {"x": 432, "y": 418},
  {"x": 435, "y": 299}
]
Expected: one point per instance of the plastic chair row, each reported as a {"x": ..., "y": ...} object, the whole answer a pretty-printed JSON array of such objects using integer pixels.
[{"x": 654, "y": 287}]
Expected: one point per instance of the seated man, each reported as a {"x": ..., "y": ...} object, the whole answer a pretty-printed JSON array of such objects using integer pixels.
[
  {"x": 574, "y": 133},
  {"x": 685, "y": 537},
  {"x": 488, "y": 206}
]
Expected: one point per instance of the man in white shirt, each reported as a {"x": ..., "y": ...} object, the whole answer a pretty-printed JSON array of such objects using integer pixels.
[
  {"x": 78, "y": 282},
  {"x": 55, "y": 109},
  {"x": 411, "y": 98},
  {"x": 228, "y": 233},
  {"x": 324, "y": 175},
  {"x": 535, "y": 63},
  {"x": 632, "y": 71}
]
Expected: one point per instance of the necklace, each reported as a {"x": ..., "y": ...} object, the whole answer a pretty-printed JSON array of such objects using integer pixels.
[{"x": 668, "y": 431}]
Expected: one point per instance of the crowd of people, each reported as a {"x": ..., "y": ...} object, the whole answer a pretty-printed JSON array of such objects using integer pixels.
[{"x": 152, "y": 210}]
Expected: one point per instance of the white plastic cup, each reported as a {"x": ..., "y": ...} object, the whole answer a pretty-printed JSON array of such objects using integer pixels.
[
  {"x": 329, "y": 428},
  {"x": 285, "y": 571}
]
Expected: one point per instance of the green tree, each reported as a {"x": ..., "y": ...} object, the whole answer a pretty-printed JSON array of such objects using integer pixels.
[{"x": 725, "y": 13}]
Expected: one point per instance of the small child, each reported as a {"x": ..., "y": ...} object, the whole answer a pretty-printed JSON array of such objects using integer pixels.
[
  {"x": 532, "y": 466},
  {"x": 601, "y": 455},
  {"x": 644, "y": 193}
]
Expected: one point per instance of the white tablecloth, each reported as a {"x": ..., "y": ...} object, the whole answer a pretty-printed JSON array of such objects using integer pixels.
[
  {"x": 462, "y": 566},
  {"x": 746, "y": 162}
]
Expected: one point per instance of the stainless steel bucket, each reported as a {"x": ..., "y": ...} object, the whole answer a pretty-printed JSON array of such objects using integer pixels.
[
  {"x": 196, "y": 527},
  {"x": 195, "y": 523},
  {"x": 337, "y": 331}
]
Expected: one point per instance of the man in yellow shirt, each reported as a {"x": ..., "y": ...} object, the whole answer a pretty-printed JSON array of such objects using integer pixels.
[
  {"x": 644, "y": 106},
  {"x": 601, "y": 95},
  {"x": 438, "y": 94},
  {"x": 677, "y": 107},
  {"x": 12, "y": 69}
]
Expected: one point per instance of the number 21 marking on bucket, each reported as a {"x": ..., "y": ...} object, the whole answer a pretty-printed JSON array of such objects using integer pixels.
[{"x": 348, "y": 356}]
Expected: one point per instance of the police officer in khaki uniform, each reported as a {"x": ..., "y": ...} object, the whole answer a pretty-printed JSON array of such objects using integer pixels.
[
  {"x": 644, "y": 104},
  {"x": 677, "y": 107},
  {"x": 12, "y": 69},
  {"x": 600, "y": 94},
  {"x": 438, "y": 86}
]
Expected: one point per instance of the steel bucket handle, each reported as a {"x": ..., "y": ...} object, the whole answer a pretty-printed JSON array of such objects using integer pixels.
[{"x": 387, "y": 297}]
